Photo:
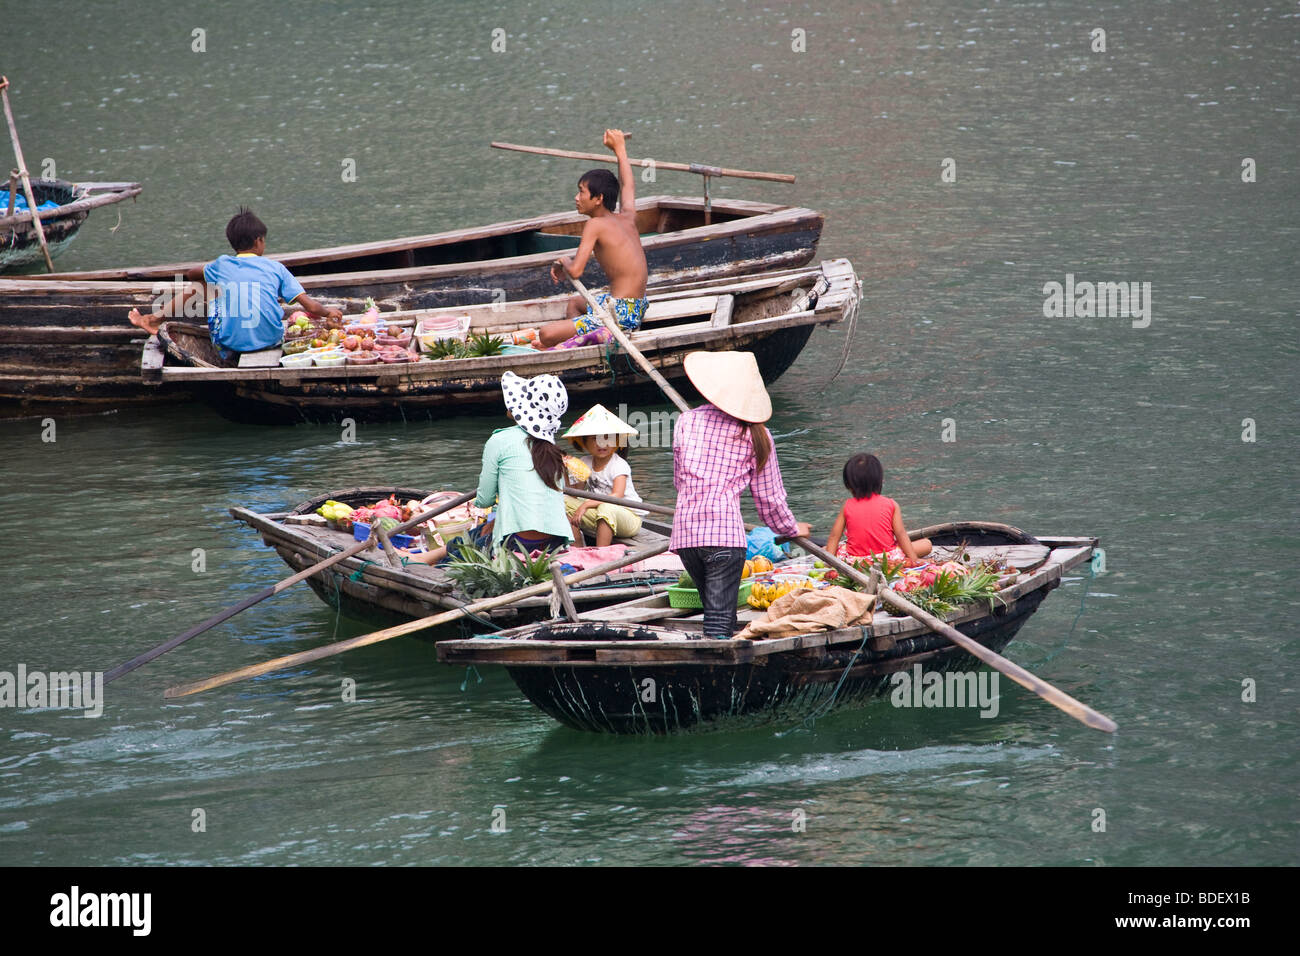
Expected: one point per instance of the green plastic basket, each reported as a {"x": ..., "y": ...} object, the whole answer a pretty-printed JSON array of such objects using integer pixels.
[{"x": 689, "y": 597}]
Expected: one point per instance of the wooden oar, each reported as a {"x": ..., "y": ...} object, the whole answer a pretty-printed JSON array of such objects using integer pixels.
[
  {"x": 410, "y": 627},
  {"x": 625, "y": 502},
  {"x": 700, "y": 168},
  {"x": 22, "y": 170},
  {"x": 632, "y": 350},
  {"x": 288, "y": 582},
  {"x": 1057, "y": 698}
]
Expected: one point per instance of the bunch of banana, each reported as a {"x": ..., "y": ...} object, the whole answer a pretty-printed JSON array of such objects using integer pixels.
[
  {"x": 763, "y": 593},
  {"x": 334, "y": 511}
]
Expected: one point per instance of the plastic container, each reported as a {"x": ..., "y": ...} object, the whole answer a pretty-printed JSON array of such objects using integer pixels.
[
  {"x": 434, "y": 328},
  {"x": 394, "y": 336},
  {"x": 690, "y": 597},
  {"x": 394, "y": 358},
  {"x": 301, "y": 360},
  {"x": 362, "y": 358},
  {"x": 329, "y": 359},
  {"x": 449, "y": 531},
  {"x": 517, "y": 350},
  {"x": 362, "y": 531}
]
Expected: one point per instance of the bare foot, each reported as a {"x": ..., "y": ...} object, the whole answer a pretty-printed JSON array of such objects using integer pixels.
[{"x": 149, "y": 323}]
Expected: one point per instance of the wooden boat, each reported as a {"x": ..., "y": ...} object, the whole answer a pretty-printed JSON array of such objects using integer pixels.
[
  {"x": 65, "y": 344},
  {"x": 772, "y": 315},
  {"x": 19, "y": 245},
  {"x": 369, "y": 588},
  {"x": 592, "y": 675}
]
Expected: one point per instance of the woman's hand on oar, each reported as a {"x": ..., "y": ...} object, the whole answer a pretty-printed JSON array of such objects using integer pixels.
[
  {"x": 1057, "y": 698},
  {"x": 410, "y": 627},
  {"x": 288, "y": 582}
]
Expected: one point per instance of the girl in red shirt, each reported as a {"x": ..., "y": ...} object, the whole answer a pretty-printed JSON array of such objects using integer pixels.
[{"x": 873, "y": 522}]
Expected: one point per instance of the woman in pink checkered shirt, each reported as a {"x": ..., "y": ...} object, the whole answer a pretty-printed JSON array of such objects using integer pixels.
[{"x": 720, "y": 449}]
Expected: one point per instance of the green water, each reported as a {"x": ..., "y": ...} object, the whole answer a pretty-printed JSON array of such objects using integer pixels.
[{"x": 1116, "y": 166}]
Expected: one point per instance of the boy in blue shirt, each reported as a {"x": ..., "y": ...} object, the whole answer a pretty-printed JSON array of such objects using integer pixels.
[{"x": 245, "y": 290}]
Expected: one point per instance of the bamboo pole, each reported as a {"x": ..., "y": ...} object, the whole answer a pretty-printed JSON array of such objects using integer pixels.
[
  {"x": 632, "y": 350},
  {"x": 699, "y": 168},
  {"x": 22, "y": 171},
  {"x": 1057, "y": 698}
]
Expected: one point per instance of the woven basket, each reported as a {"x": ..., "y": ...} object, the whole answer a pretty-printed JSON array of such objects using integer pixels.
[{"x": 690, "y": 597}]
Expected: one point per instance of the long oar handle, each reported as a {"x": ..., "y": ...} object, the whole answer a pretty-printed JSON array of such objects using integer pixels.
[
  {"x": 22, "y": 168},
  {"x": 1058, "y": 698},
  {"x": 275, "y": 589},
  {"x": 700, "y": 168},
  {"x": 410, "y": 627},
  {"x": 632, "y": 350},
  {"x": 625, "y": 502}
]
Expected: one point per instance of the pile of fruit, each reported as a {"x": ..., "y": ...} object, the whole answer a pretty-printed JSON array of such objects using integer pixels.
[
  {"x": 336, "y": 512},
  {"x": 343, "y": 517},
  {"x": 478, "y": 345},
  {"x": 758, "y": 565},
  {"x": 764, "y": 593}
]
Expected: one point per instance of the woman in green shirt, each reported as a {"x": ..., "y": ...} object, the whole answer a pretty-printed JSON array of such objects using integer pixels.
[{"x": 523, "y": 470}]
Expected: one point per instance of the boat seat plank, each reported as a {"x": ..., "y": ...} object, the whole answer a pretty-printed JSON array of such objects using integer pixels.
[
  {"x": 660, "y": 311},
  {"x": 263, "y": 358}
]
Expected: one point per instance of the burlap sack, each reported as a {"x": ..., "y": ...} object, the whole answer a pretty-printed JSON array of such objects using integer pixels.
[{"x": 803, "y": 612}]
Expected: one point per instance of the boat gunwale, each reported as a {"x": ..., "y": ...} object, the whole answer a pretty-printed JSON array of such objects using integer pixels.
[
  {"x": 416, "y": 582},
  {"x": 830, "y": 308},
  {"x": 751, "y": 213},
  {"x": 511, "y": 647}
]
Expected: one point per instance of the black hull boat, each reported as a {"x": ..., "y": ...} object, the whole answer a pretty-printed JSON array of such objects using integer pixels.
[{"x": 616, "y": 672}]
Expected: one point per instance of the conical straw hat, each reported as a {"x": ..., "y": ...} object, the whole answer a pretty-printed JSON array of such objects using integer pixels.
[
  {"x": 732, "y": 382},
  {"x": 599, "y": 420}
]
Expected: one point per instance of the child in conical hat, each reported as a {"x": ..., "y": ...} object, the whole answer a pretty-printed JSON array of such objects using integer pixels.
[
  {"x": 600, "y": 433},
  {"x": 719, "y": 449}
]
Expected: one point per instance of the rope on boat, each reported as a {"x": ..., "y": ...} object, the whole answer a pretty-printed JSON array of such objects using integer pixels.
[
  {"x": 850, "y": 326},
  {"x": 824, "y": 709},
  {"x": 464, "y": 685},
  {"x": 1087, "y": 582},
  {"x": 612, "y": 351},
  {"x": 356, "y": 575}
]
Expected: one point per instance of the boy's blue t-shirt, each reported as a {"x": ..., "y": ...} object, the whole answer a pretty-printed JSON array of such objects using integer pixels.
[{"x": 248, "y": 315}]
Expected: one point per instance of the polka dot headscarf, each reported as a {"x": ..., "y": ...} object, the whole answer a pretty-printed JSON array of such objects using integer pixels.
[{"x": 536, "y": 404}]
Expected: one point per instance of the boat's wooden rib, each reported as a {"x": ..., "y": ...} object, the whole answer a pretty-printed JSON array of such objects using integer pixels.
[
  {"x": 762, "y": 315},
  {"x": 594, "y": 674}
]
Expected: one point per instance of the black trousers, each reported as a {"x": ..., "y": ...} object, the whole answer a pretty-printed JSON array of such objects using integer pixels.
[{"x": 716, "y": 572}]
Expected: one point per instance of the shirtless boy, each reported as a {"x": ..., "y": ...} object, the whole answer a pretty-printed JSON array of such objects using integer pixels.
[{"x": 613, "y": 237}]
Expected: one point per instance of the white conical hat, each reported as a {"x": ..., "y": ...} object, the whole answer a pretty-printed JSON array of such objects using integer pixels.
[
  {"x": 732, "y": 382},
  {"x": 599, "y": 420}
]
